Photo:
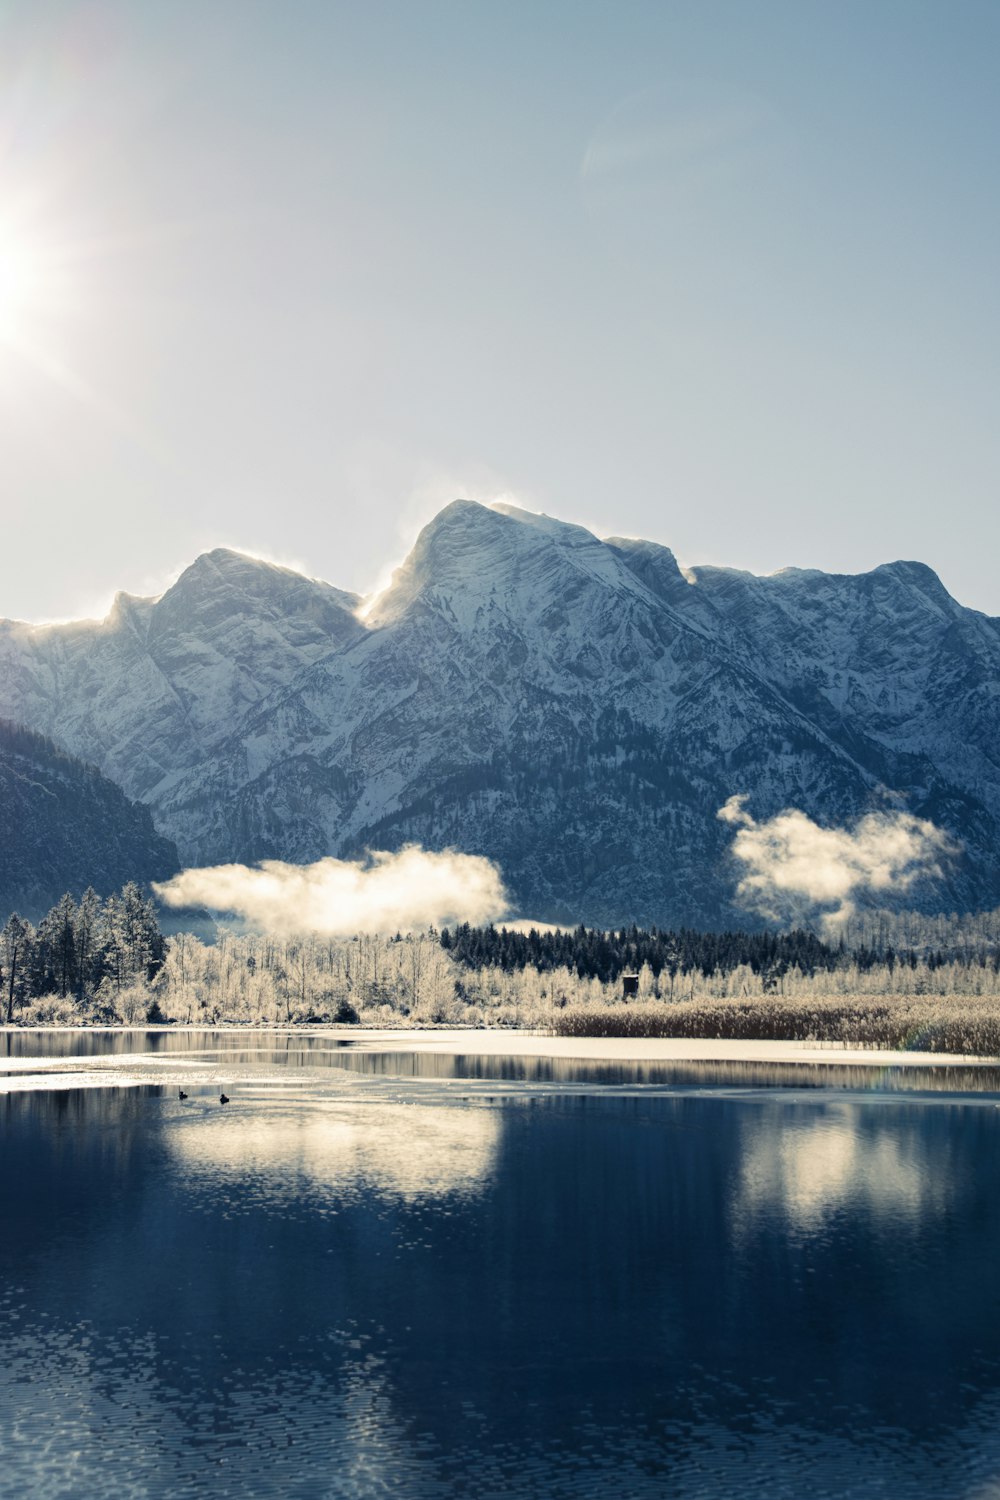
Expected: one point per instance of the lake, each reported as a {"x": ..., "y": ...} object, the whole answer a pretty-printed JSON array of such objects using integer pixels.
[{"x": 385, "y": 1271}]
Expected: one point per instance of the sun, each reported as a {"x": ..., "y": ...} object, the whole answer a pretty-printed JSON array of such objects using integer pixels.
[
  {"x": 45, "y": 300},
  {"x": 22, "y": 277}
]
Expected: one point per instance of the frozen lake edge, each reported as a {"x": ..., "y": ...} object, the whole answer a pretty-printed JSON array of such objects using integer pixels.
[{"x": 496, "y": 1042}]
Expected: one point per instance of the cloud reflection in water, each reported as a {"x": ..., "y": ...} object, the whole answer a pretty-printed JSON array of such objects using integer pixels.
[
  {"x": 819, "y": 1167},
  {"x": 402, "y": 1151}
]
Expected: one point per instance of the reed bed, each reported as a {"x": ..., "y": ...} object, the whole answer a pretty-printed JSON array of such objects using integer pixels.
[{"x": 909, "y": 1023}]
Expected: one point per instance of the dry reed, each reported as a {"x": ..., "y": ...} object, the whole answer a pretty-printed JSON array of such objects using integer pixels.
[{"x": 918, "y": 1023}]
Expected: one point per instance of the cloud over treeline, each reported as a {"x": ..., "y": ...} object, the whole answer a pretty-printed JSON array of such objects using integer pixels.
[
  {"x": 384, "y": 892},
  {"x": 794, "y": 867}
]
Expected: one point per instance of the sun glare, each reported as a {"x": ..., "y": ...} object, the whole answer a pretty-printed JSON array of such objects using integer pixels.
[{"x": 20, "y": 284}]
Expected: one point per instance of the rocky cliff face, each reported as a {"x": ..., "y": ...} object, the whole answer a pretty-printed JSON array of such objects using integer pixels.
[
  {"x": 576, "y": 709},
  {"x": 64, "y": 826}
]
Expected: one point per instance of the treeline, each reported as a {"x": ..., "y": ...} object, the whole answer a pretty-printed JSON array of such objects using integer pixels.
[
  {"x": 874, "y": 941},
  {"x": 970, "y": 937},
  {"x": 592, "y": 954},
  {"x": 88, "y": 951},
  {"x": 104, "y": 961}
]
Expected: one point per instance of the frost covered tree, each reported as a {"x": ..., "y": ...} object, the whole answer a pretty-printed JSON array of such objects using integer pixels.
[{"x": 132, "y": 946}]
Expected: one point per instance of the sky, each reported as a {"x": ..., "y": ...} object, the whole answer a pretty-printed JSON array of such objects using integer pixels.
[{"x": 289, "y": 277}]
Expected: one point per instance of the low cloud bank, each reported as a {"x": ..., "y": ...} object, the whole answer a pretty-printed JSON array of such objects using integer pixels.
[
  {"x": 382, "y": 893},
  {"x": 794, "y": 866}
]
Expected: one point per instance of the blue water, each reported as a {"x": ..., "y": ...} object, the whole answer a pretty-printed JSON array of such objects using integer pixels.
[{"x": 386, "y": 1274}]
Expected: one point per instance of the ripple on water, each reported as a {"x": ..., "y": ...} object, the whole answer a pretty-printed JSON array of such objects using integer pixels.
[{"x": 362, "y": 1282}]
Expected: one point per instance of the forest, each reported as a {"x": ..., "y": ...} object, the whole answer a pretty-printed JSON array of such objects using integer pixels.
[
  {"x": 106, "y": 961},
  {"x": 88, "y": 952}
]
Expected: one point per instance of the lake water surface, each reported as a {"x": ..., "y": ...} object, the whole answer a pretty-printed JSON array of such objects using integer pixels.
[{"x": 382, "y": 1272}]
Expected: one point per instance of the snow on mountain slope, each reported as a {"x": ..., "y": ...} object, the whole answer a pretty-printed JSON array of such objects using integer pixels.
[
  {"x": 576, "y": 709},
  {"x": 888, "y": 654},
  {"x": 151, "y": 690}
]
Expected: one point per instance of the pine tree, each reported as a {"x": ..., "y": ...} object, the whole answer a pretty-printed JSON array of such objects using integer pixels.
[
  {"x": 140, "y": 934},
  {"x": 62, "y": 920},
  {"x": 88, "y": 921},
  {"x": 112, "y": 942},
  {"x": 16, "y": 942}
]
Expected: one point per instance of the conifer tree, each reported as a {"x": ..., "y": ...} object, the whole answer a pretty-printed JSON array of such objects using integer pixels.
[
  {"x": 88, "y": 920},
  {"x": 15, "y": 953},
  {"x": 60, "y": 936}
]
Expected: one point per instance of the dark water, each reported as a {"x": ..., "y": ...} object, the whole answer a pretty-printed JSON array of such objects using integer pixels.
[{"x": 376, "y": 1274}]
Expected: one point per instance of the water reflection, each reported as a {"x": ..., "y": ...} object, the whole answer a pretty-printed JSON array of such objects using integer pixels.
[
  {"x": 805, "y": 1170},
  {"x": 92, "y": 1056},
  {"x": 409, "y": 1151},
  {"x": 560, "y": 1295}
]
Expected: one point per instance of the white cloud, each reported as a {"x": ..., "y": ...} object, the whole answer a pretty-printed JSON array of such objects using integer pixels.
[
  {"x": 382, "y": 893},
  {"x": 792, "y": 864}
]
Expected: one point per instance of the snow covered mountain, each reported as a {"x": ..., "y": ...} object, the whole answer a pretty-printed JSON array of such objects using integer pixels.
[
  {"x": 156, "y": 689},
  {"x": 576, "y": 709}
]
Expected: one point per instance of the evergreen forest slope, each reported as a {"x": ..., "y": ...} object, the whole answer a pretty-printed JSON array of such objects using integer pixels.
[{"x": 64, "y": 827}]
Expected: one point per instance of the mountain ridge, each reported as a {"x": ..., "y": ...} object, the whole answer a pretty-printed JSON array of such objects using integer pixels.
[{"x": 576, "y": 708}]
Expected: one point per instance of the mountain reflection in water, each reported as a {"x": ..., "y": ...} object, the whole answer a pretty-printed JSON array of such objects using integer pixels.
[{"x": 557, "y": 1294}]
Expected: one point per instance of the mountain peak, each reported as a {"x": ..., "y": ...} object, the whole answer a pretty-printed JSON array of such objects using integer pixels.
[
  {"x": 477, "y": 553},
  {"x": 916, "y": 575},
  {"x": 228, "y": 564},
  {"x": 225, "y": 572},
  {"x": 449, "y": 551}
]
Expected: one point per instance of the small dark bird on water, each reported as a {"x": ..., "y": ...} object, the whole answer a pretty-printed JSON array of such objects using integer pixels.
[
  {"x": 181, "y": 1094},
  {"x": 223, "y": 1098}
]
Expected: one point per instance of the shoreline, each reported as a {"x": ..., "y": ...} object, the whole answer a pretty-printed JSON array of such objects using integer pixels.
[{"x": 507, "y": 1042}]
